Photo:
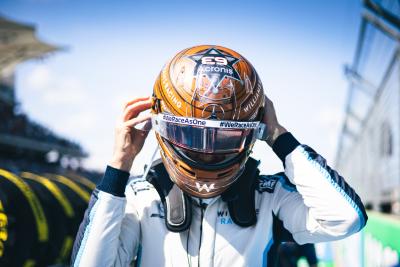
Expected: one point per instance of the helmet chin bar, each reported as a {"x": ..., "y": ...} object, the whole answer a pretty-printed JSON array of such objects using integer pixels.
[
  {"x": 202, "y": 183},
  {"x": 199, "y": 189}
]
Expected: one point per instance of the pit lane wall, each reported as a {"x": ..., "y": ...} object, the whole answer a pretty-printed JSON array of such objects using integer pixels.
[{"x": 378, "y": 245}]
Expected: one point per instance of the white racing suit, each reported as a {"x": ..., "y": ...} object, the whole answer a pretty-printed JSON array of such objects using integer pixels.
[{"x": 309, "y": 202}]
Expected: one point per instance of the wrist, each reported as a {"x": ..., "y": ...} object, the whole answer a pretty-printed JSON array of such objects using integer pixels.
[
  {"x": 122, "y": 163},
  {"x": 274, "y": 133},
  {"x": 284, "y": 145},
  {"x": 114, "y": 181}
]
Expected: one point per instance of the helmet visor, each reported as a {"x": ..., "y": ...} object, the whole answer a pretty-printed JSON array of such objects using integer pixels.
[
  {"x": 206, "y": 158},
  {"x": 207, "y": 136}
]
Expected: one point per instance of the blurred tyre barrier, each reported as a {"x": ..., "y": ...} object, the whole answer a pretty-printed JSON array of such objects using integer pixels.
[
  {"x": 59, "y": 214},
  {"x": 39, "y": 217},
  {"x": 85, "y": 182},
  {"x": 3, "y": 228},
  {"x": 77, "y": 195},
  {"x": 82, "y": 192},
  {"x": 23, "y": 221}
]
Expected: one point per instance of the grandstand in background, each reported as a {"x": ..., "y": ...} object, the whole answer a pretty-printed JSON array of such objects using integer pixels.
[
  {"x": 369, "y": 144},
  {"x": 21, "y": 138},
  {"x": 44, "y": 191},
  {"x": 368, "y": 154}
]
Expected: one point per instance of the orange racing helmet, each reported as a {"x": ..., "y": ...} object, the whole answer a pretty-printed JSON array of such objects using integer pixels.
[{"x": 208, "y": 103}]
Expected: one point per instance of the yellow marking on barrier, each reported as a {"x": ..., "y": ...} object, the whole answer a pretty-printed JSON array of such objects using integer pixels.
[
  {"x": 55, "y": 191},
  {"x": 72, "y": 185},
  {"x": 29, "y": 263},
  {"x": 65, "y": 249},
  {"x": 83, "y": 180},
  {"x": 3, "y": 229},
  {"x": 38, "y": 213}
]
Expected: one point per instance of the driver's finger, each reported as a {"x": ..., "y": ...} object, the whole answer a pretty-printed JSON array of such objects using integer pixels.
[
  {"x": 130, "y": 102},
  {"x": 134, "y": 109},
  {"x": 137, "y": 120}
]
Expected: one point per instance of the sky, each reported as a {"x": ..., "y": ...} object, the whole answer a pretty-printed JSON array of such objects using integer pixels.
[{"x": 113, "y": 51}]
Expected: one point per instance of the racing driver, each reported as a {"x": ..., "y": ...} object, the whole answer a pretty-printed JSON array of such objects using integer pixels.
[{"x": 205, "y": 203}]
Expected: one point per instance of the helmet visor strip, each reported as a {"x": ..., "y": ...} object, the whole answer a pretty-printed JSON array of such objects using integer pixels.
[{"x": 208, "y": 136}]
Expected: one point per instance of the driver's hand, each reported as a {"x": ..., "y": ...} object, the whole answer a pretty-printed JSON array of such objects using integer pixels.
[
  {"x": 273, "y": 127},
  {"x": 129, "y": 140}
]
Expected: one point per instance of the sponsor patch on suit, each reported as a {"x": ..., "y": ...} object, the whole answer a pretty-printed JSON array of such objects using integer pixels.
[{"x": 267, "y": 183}]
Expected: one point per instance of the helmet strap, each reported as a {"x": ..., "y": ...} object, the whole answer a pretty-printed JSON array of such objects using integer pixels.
[{"x": 177, "y": 205}]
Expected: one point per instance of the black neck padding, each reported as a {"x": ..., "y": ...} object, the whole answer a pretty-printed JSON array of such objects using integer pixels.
[
  {"x": 240, "y": 195},
  {"x": 177, "y": 204}
]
